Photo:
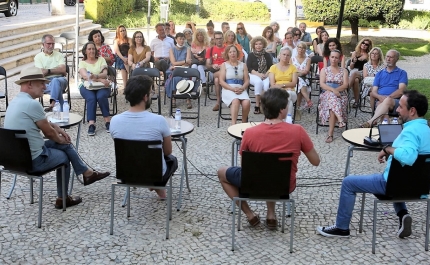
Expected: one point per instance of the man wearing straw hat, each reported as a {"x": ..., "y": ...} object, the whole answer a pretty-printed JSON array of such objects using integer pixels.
[{"x": 25, "y": 113}]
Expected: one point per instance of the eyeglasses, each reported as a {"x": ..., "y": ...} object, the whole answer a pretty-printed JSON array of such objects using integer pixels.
[
  {"x": 235, "y": 70},
  {"x": 365, "y": 43},
  {"x": 218, "y": 38},
  {"x": 374, "y": 53},
  {"x": 49, "y": 43},
  {"x": 138, "y": 37},
  {"x": 239, "y": 28}
]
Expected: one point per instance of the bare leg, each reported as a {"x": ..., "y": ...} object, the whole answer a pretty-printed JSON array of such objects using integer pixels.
[
  {"x": 217, "y": 88},
  {"x": 233, "y": 191},
  {"x": 382, "y": 108},
  {"x": 304, "y": 93},
  {"x": 257, "y": 100},
  {"x": 234, "y": 110},
  {"x": 271, "y": 210},
  {"x": 246, "y": 105},
  {"x": 124, "y": 76},
  {"x": 331, "y": 123},
  {"x": 299, "y": 100}
]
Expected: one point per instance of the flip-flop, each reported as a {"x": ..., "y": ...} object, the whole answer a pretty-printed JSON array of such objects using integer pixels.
[
  {"x": 309, "y": 103},
  {"x": 329, "y": 139},
  {"x": 255, "y": 220},
  {"x": 341, "y": 124},
  {"x": 365, "y": 125}
]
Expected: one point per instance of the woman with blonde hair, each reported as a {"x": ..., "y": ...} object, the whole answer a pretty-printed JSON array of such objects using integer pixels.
[
  {"x": 121, "y": 45},
  {"x": 258, "y": 63},
  {"x": 371, "y": 68},
  {"x": 198, "y": 49},
  {"x": 275, "y": 26},
  {"x": 172, "y": 28},
  {"x": 230, "y": 39},
  {"x": 234, "y": 81},
  {"x": 243, "y": 37},
  {"x": 359, "y": 57},
  {"x": 283, "y": 75}
]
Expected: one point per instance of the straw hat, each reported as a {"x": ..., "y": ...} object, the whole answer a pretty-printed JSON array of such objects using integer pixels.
[
  {"x": 184, "y": 86},
  {"x": 31, "y": 74}
]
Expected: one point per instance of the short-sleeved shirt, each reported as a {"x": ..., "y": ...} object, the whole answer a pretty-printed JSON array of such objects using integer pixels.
[
  {"x": 138, "y": 57},
  {"x": 95, "y": 68},
  {"x": 283, "y": 77},
  {"x": 278, "y": 138},
  {"x": 215, "y": 53},
  {"x": 388, "y": 82},
  {"x": 144, "y": 126},
  {"x": 22, "y": 114},
  {"x": 49, "y": 61},
  {"x": 161, "y": 48}
]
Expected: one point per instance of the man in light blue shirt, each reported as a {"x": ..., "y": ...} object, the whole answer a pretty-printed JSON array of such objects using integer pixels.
[{"x": 414, "y": 140}]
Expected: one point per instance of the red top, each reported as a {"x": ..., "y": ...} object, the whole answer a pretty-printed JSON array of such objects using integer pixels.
[
  {"x": 216, "y": 54},
  {"x": 278, "y": 138}
]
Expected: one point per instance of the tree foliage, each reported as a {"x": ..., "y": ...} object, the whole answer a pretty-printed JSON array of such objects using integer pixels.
[{"x": 327, "y": 11}]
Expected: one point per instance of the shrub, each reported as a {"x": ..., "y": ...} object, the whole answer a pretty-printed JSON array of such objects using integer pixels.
[{"x": 102, "y": 11}]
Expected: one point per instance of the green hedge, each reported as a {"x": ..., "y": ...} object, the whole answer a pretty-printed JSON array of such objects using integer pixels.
[{"x": 100, "y": 11}]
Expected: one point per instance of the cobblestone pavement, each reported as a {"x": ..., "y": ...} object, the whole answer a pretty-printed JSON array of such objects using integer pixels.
[{"x": 200, "y": 232}]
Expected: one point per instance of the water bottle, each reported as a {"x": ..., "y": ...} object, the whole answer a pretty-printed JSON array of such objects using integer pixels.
[
  {"x": 385, "y": 121},
  {"x": 66, "y": 109},
  {"x": 138, "y": 65},
  {"x": 178, "y": 120},
  {"x": 57, "y": 110},
  {"x": 289, "y": 119},
  {"x": 89, "y": 79},
  {"x": 395, "y": 121}
]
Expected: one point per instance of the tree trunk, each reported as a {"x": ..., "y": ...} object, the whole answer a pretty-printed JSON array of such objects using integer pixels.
[
  {"x": 354, "y": 30},
  {"x": 58, "y": 7}
]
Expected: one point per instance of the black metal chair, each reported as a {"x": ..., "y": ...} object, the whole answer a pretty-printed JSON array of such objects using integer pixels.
[
  {"x": 155, "y": 75},
  {"x": 15, "y": 158},
  {"x": 113, "y": 94},
  {"x": 4, "y": 95},
  {"x": 314, "y": 76},
  {"x": 138, "y": 164},
  {"x": 210, "y": 84},
  {"x": 404, "y": 184},
  {"x": 268, "y": 183},
  {"x": 188, "y": 73}
]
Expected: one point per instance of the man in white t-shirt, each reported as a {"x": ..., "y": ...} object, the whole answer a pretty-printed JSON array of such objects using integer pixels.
[
  {"x": 160, "y": 47},
  {"x": 139, "y": 124}
]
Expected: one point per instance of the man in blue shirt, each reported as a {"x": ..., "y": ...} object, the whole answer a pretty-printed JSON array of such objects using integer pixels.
[
  {"x": 412, "y": 141},
  {"x": 306, "y": 37},
  {"x": 388, "y": 87}
]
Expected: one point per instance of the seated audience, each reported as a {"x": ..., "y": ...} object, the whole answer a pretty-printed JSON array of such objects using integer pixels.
[
  {"x": 297, "y": 34},
  {"x": 25, "y": 113},
  {"x": 243, "y": 37},
  {"x": 210, "y": 30},
  {"x": 283, "y": 75},
  {"x": 121, "y": 45},
  {"x": 370, "y": 69},
  {"x": 306, "y": 37},
  {"x": 359, "y": 57},
  {"x": 168, "y": 32},
  {"x": 270, "y": 137},
  {"x": 94, "y": 70},
  {"x": 258, "y": 63},
  {"x": 275, "y": 27},
  {"x": 334, "y": 98},
  {"x": 234, "y": 80},
  {"x": 139, "y": 53},
  {"x": 198, "y": 51},
  {"x": 230, "y": 39},
  {"x": 188, "y": 33},
  {"x": 160, "y": 48},
  {"x": 137, "y": 123},
  {"x": 414, "y": 140},
  {"x": 322, "y": 39},
  {"x": 288, "y": 41},
  {"x": 103, "y": 49},
  {"x": 225, "y": 27},
  {"x": 388, "y": 87},
  {"x": 330, "y": 45},
  {"x": 180, "y": 55},
  {"x": 214, "y": 60},
  {"x": 303, "y": 64},
  {"x": 271, "y": 43}
]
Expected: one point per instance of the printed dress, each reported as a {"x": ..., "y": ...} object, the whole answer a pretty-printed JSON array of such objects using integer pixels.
[{"x": 329, "y": 101}]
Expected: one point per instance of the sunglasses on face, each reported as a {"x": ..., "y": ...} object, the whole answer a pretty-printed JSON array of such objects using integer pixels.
[
  {"x": 239, "y": 28},
  {"x": 365, "y": 43}
]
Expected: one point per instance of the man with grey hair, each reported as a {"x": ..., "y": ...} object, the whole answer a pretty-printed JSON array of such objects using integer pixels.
[
  {"x": 388, "y": 87},
  {"x": 224, "y": 27},
  {"x": 160, "y": 47},
  {"x": 53, "y": 66}
]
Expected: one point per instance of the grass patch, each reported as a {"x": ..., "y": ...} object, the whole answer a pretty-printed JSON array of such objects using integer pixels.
[
  {"x": 423, "y": 86},
  {"x": 408, "y": 49}
]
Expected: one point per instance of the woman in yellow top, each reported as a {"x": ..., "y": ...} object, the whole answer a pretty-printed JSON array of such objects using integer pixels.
[
  {"x": 284, "y": 75},
  {"x": 139, "y": 53},
  {"x": 93, "y": 68}
]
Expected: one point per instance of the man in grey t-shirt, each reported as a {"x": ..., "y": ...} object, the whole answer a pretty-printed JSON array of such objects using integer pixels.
[
  {"x": 139, "y": 124},
  {"x": 25, "y": 113}
]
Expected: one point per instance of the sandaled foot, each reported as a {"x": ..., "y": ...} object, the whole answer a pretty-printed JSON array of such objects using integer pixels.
[
  {"x": 355, "y": 105},
  {"x": 257, "y": 110},
  {"x": 341, "y": 124},
  {"x": 365, "y": 125},
  {"x": 272, "y": 224},
  {"x": 255, "y": 220},
  {"x": 309, "y": 104},
  {"x": 329, "y": 139}
]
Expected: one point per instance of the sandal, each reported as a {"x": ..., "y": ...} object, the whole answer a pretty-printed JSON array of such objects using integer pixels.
[
  {"x": 365, "y": 125},
  {"x": 272, "y": 224},
  {"x": 255, "y": 220},
  {"x": 341, "y": 124},
  {"x": 355, "y": 105},
  {"x": 309, "y": 103},
  {"x": 189, "y": 105},
  {"x": 257, "y": 110},
  {"x": 329, "y": 139}
]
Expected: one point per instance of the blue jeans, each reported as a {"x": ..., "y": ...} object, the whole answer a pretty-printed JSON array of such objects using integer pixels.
[
  {"x": 54, "y": 154},
  {"x": 93, "y": 97},
  {"x": 56, "y": 87},
  {"x": 351, "y": 185}
]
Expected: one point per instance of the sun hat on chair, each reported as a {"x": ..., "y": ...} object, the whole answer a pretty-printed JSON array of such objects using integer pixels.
[
  {"x": 31, "y": 74},
  {"x": 184, "y": 86}
]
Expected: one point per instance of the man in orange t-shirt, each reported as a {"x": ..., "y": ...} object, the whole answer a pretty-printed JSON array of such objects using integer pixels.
[
  {"x": 272, "y": 136},
  {"x": 214, "y": 59}
]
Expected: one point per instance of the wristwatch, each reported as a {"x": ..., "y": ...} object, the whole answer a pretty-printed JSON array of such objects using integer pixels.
[{"x": 384, "y": 149}]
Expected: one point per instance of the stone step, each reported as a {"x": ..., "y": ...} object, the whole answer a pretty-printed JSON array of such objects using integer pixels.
[{"x": 38, "y": 34}]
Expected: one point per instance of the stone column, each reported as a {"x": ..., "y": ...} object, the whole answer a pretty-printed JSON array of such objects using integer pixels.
[{"x": 58, "y": 7}]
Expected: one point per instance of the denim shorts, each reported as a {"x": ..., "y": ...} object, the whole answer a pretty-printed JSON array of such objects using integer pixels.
[
  {"x": 233, "y": 175},
  {"x": 119, "y": 63}
]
